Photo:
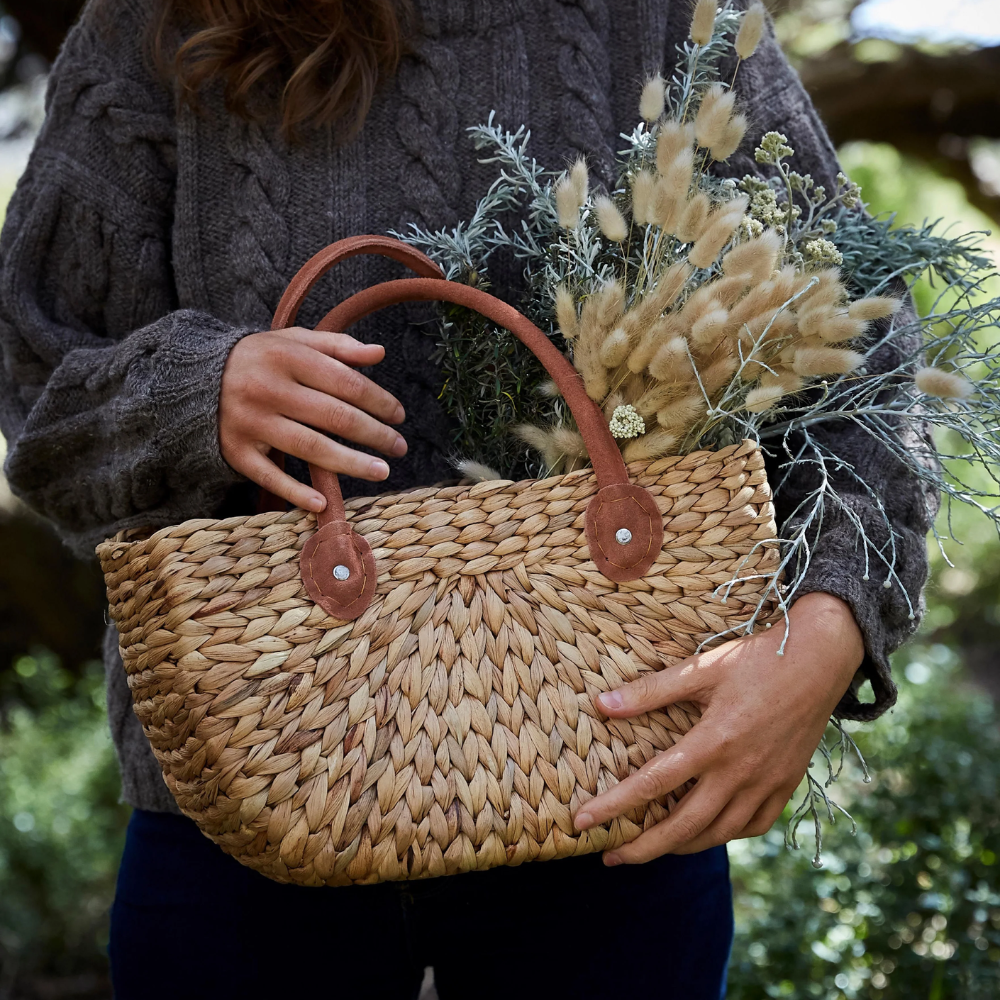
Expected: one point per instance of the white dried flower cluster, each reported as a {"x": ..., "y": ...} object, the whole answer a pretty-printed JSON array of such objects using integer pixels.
[
  {"x": 773, "y": 149},
  {"x": 850, "y": 193},
  {"x": 823, "y": 252},
  {"x": 626, "y": 423}
]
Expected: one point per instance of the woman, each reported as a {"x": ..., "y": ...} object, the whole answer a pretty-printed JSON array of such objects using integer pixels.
[{"x": 166, "y": 205}]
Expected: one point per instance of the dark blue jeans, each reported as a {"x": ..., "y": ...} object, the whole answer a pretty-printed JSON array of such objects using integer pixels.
[{"x": 190, "y": 922}]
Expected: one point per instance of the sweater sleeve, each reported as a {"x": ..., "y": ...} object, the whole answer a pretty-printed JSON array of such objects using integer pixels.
[
  {"x": 887, "y": 605},
  {"x": 108, "y": 392}
]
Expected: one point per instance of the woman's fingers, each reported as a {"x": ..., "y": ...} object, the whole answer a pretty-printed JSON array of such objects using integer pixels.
[
  {"x": 340, "y": 381},
  {"x": 696, "y": 812},
  {"x": 341, "y": 346},
  {"x": 303, "y": 442},
  {"x": 262, "y": 471},
  {"x": 341, "y": 418},
  {"x": 664, "y": 773},
  {"x": 730, "y": 823},
  {"x": 686, "y": 681}
]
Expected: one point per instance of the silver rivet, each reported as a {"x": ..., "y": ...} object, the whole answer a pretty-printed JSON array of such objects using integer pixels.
[
  {"x": 341, "y": 572},
  {"x": 623, "y": 536}
]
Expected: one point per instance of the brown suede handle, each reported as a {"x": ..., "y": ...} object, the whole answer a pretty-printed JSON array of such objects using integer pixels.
[{"x": 628, "y": 511}]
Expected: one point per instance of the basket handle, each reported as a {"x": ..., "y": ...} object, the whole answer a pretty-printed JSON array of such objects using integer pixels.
[{"x": 623, "y": 524}]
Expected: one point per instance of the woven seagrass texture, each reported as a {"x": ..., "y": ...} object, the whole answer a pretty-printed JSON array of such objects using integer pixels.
[{"x": 453, "y": 725}]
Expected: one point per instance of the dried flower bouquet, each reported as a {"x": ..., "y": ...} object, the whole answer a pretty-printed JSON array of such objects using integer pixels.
[{"x": 701, "y": 310}]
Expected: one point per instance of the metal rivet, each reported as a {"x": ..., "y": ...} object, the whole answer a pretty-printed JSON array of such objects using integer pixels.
[
  {"x": 341, "y": 572},
  {"x": 623, "y": 536}
]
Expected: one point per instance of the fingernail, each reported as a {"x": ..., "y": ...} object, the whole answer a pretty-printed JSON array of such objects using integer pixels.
[
  {"x": 610, "y": 860},
  {"x": 378, "y": 469},
  {"x": 583, "y": 821},
  {"x": 316, "y": 503},
  {"x": 400, "y": 447},
  {"x": 399, "y": 415},
  {"x": 611, "y": 701}
]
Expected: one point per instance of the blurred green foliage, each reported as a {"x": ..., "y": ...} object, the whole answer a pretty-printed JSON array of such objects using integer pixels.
[
  {"x": 910, "y": 906},
  {"x": 61, "y": 825}
]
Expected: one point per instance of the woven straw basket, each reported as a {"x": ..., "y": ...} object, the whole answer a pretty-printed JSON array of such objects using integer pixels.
[{"x": 404, "y": 687}]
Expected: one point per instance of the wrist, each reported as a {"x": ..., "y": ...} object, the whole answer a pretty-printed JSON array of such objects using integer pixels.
[{"x": 826, "y": 622}]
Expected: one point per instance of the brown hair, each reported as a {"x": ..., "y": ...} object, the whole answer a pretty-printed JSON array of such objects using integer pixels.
[{"x": 328, "y": 56}]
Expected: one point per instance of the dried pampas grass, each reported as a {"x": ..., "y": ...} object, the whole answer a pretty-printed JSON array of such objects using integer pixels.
[
  {"x": 751, "y": 30},
  {"x": 653, "y": 101},
  {"x": 703, "y": 22},
  {"x": 814, "y": 362},
  {"x": 612, "y": 223},
  {"x": 943, "y": 384}
]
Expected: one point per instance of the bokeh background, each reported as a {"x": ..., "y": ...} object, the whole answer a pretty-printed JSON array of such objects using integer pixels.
[{"x": 909, "y": 906}]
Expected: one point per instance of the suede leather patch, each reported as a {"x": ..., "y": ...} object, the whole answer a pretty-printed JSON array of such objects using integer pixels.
[
  {"x": 336, "y": 544},
  {"x": 618, "y": 506}
]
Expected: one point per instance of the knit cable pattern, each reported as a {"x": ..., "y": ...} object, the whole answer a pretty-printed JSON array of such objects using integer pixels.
[
  {"x": 261, "y": 197},
  {"x": 427, "y": 125},
  {"x": 580, "y": 27}
]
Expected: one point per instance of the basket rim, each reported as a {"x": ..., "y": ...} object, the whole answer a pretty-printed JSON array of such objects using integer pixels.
[{"x": 140, "y": 535}]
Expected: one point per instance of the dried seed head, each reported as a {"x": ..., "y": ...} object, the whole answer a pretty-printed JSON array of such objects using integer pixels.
[
  {"x": 788, "y": 381},
  {"x": 763, "y": 398},
  {"x": 703, "y": 22},
  {"x": 612, "y": 222},
  {"x": 654, "y": 399},
  {"x": 811, "y": 319},
  {"x": 709, "y": 330},
  {"x": 645, "y": 314},
  {"x": 550, "y": 389},
  {"x": 811, "y": 362},
  {"x": 672, "y": 190},
  {"x": 720, "y": 231},
  {"x": 538, "y": 437},
  {"x": 839, "y": 328},
  {"x": 566, "y": 317},
  {"x": 682, "y": 414},
  {"x": 478, "y": 472},
  {"x": 650, "y": 342},
  {"x": 876, "y": 307},
  {"x": 766, "y": 327},
  {"x": 731, "y": 138},
  {"x": 694, "y": 218},
  {"x": 751, "y": 30},
  {"x": 656, "y": 444},
  {"x": 609, "y": 301},
  {"x": 718, "y": 375},
  {"x": 615, "y": 349},
  {"x": 567, "y": 203},
  {"x": 673, "y": 140},
  {"x": 943, "y": 384},
  {"x": 755, "y": 257},
  {"x": 728, "y": 290},
  {"x": 828, "y": 290},
  {"x": 580, "y": 179},
  {"x": 653, "y": 101},
  {"x": 569, "y": 442},
  {"x": 671, "y": 362},
  {"x": 643, "y": 197},
  {"x": 713, "y": 116}
]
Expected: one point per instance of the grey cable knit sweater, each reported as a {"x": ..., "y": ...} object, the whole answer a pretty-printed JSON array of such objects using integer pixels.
[{"x": 145, "y": 240}]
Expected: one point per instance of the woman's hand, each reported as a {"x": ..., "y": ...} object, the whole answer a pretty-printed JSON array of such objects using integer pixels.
[
  {"x": 763, "y": 716},
  {"x": 281, "y": 388}
]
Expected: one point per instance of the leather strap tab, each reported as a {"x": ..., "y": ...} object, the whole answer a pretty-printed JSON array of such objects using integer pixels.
[
  {"x": 624, "y": 531},
  {"x": 338, "y": 570}
]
